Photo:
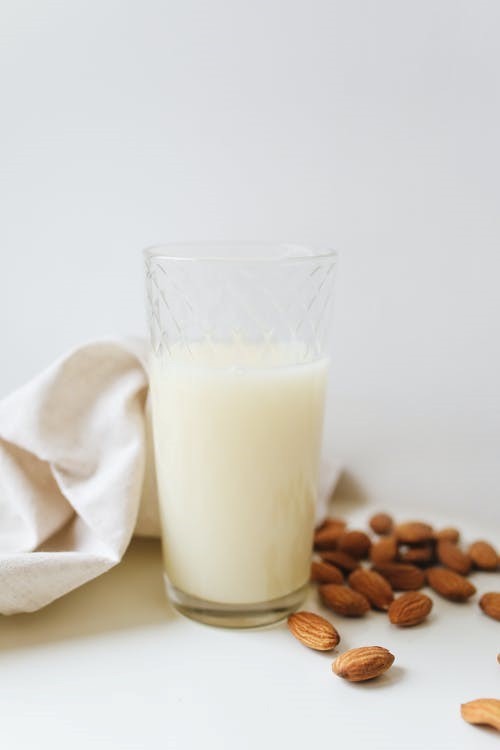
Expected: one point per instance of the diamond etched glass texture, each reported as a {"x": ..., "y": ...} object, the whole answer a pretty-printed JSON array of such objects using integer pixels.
[{"x": 265, "y": 300}]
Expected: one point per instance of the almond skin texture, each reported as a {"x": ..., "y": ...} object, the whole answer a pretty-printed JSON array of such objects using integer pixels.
[
  {"x": 327, "y": 536},
  {"x": 410, "y": 609},
  {"x": 355, "y": 543},
  {"x": 417, "y": 555},
  {"x": 384, "y": 550},
  {"x": 402, "y": 576},
  {"x": 381, "y": 523},
  {"x": 342, "y": 560},
  {"x": 313, "y": 631},
  {"x": 449, "y": 533},
  {"x": 372, "y": 585},
  {"x": 490, "y": 604},
  {"x": 450, "y": 585},
  {"x": 328, "y": 521},
  {"x": 483, "y": 555},
  {"x": 322, "y": 572},
  {"x": 482, "y": 711},
  {"x": 344, "y": 601},
  {"x": 453, "y": 558},
  {"x": 414, "y": 532},
  {"x": 360, "y": 664}
]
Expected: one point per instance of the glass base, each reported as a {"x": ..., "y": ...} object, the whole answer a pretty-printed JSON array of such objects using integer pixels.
[{"x": 235, "y": 615}]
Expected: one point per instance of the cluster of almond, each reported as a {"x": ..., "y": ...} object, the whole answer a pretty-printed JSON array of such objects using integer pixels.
[{"x": 404, "y": 558}]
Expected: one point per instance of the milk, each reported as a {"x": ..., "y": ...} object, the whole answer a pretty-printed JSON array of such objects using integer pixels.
[{"x": 237, "y": 442}]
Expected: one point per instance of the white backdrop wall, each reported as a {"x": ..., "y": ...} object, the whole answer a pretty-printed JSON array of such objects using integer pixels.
[{"x": 372, "y": 126}]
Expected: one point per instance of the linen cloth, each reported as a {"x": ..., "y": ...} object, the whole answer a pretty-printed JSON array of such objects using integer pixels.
[{"x": 75, "y": 460}]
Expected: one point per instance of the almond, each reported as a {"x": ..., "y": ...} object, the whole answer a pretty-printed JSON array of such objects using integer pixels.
[
  {"x": 327, "y": 536},
  {"x": 344, "y": 601},
  {"x": 384, "y": 550},
  {"x": 372, "y": 585},
  {"x": 401, "y": 576},
  {"x": 410, "y": 609},
  {"x": 490, "y": 604},
  {"x": 355, "y": 543},
  {"x": 414, "y": 532},
  {"x": 322, "y": 572},
  {"x": 329, "y": 520},
  {"x": 449, "y": 533},
  {"x": 381, "y": 523},
  {"x": 313, "y": 631},
  {"x": 417, "y": 555},
  {"x": 482, "y": 711},
  {"x": 342, "y": 560},
  {"x": 483, "y": 555},
  {"x": 452, "y": 557},
  {"x": 359, "y": 664},
  {"x": 450, "y": 585}
]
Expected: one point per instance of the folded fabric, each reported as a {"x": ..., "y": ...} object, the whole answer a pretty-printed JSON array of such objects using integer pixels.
[{"x": 75, "y": 460}]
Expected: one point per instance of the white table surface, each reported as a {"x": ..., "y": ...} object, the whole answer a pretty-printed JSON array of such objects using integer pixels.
[{"x": 111, "y": 665}]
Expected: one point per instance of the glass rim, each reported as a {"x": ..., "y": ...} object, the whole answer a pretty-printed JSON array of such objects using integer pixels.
[{"x": 280, "y": 251}]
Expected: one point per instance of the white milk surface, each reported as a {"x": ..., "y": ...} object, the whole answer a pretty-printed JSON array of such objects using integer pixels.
[{"x": 237, "y": 441}]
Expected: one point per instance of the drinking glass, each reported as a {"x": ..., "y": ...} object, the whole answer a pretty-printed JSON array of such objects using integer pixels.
[{"x": 239, "y": 364}]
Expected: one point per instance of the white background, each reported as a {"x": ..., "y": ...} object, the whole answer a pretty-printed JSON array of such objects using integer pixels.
[{"x": 372, "y": 126}]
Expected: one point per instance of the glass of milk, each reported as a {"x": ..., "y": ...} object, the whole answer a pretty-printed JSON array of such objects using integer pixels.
[{"x": 239, "y": 367}]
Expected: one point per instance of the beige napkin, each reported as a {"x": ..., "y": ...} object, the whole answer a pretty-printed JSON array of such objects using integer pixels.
[
  {"x": 72, "y": 456},
  {"x": 75, "y": 461}
]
